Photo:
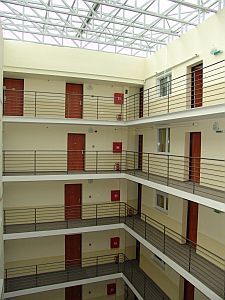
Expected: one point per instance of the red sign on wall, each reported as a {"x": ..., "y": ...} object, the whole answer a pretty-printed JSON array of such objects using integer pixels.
[
  {"x": 115, "y": 195},
  {"x": 115, "y": 242},
  {"x": 111, "y": 289},
  {"x": 117, "y": 147},
  {"x": 118, "y": 98}
]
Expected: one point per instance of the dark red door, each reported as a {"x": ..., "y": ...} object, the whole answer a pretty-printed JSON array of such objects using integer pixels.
[
  {"x": 73, "y": 249},
  {"x": 196, "y": 85},
  {"x": 140, "y": 151},
  {"x": 73, "y": 197},
  {"x": 192, "y": 223},
  {"x": 75, "y": 151},
  {"x": 73, "y": 293},
  {"x": 195, "y": 156},
  {"x": 74, "y": 100},
  {"x": 13, "y": 97},
  {"x": 141, "y": 103},
  {"x": 189, "y": 290}
]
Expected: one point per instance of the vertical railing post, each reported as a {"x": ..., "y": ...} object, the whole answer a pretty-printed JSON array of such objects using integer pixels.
[
  {"x": 144, "y": 285},
  {"x": 134, "y": 107},
  {"x": 3, "y": 158},
  {"x": 35, "y": 103},
  {"x": 194, "y": 176},
  {"x": 97, "y": 107},
  {"x": 164, "y": 239},
  {"x": 35, "y": 162},
  {"x": 6, "y": 279},
  {"x": 189, "y": 259},
  {"x": 148, "y": 166},
  {"x": 126, "y": 107},
  {"x": 168, "y": 169},
  {"x": 97, "y": 266},
  {"x": 119, "y": 212},
  {"x": 96, "y": 162},
  {"x": 96, "y": 214},
  {"x": 168, "y": 97},
  {"x": 35, "y": 219},
  {"x": 148, "y": 102},
  {"x": 36, "y": 274},
  {"x": 134, "y": 163},
  {"x": 145, "y": 228}
]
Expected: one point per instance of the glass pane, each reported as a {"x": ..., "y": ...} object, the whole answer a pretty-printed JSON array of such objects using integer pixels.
[
  {"x": 167, "y": 203},
  {"x": 160, "y": 201},
  {"x": 162, "y": 140},
  {"x": 168, "y": 141}
]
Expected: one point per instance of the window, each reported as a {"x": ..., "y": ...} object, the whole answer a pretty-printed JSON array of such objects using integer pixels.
[
  {"x": 161, "y": 201},
  {"x": 164, "y": 84},
  {"x": 163, "y": 140}
]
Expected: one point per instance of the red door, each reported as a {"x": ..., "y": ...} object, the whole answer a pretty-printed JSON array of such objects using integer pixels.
[
  {"x": 73, "y": 293},
  {"x": 74, "y": 100},
  {"x": 195, "y": 157},
  {"x": 73, "y": 249},
  {"x": 196, "y": 85},
  {"x": 192, "y": 223},
  {"x": 73, "y": 195},
  {"x": 141, "y": 103},
  {"x": 75, "y": 151},
  {"x": 189, "y": 290},
  {"x": 13, "y": 97}
]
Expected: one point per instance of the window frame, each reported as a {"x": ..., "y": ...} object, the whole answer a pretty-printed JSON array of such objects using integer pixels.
[
  {"x": 168, "y": 134},
  {"x": 168, "y": 77},
  {"x": 165, "y": 208}
]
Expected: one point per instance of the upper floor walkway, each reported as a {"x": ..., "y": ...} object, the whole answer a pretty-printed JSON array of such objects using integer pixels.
[
  {"x": 193, "y": 178},
  {"x": 36, "y": 278},
  {"x": 193, "y": 95},
  {"x": 204, "y": 269}
]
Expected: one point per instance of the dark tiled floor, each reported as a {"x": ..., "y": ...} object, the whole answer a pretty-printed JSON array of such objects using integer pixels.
[{"x": 143, "y": 284}]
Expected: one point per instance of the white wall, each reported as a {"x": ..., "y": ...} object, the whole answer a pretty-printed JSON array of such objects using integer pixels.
[{"x": 72, "y": 63}]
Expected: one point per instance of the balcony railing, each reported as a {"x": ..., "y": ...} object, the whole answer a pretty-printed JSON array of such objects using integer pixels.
[
  {"x": 200, "y": 176},
  {"x": 31, "y": 276},
  {"x": 179, "y": 94},
  {"x": 206, "y": 266}
]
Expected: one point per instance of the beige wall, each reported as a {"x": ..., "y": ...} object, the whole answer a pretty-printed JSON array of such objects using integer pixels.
[
  {"x": 73, "y": 63},
  {"x": 54, "y": 137},
  {"x": 48, "y": 95},
  {"x": 165, "y": 277},
  {"x": 178, "y": 56},
  {"x": 52, "y": 248}
]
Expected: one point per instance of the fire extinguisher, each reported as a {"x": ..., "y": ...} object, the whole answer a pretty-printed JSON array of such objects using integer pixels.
[{"x": 117, "y": 166}]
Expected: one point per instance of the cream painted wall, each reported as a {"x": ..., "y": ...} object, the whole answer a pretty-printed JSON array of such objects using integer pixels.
[
  {"x": 36, "y": 194},
  {"x": 72, "y": 62},
  {"x": 98, "y": 291},
  {"x": 54, "y": 137},
  {"x": 48, "y": 94},
  {"x": 178, "y": 57},
  {"x": 173, "y": 219},
  {"x": 164, "y": 276}
]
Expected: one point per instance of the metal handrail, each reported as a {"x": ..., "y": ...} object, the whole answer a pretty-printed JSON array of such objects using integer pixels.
[
  {"x": 100, "y": 107},
  {"x": 121, "y": 207},
  {"x": 196, "y": 175},
  {"x": 110, "y": 264}
]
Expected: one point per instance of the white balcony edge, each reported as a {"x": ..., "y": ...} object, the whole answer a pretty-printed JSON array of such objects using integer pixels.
[
  {"x": 61, "y": 285},
  {"x": 193, "y": 280},
  {"x": 170, "y": 190},
  {"x": 197, "y": 283},
  {"x": 213, "y": 111},
  {"x": 55, "y": 232}
]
